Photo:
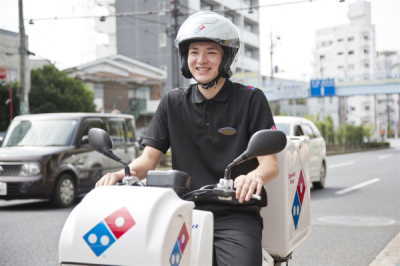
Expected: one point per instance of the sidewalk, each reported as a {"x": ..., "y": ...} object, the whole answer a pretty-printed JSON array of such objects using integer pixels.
[
  {"x": 394, "y": 143},
  {"x": 390, "y": 255}
]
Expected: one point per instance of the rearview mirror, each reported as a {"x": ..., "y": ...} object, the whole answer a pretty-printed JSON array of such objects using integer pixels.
[
  {"x": 262, "y": 143},
  {"x": 99, "y": 140},
  {"x": 266, "y": 142}
]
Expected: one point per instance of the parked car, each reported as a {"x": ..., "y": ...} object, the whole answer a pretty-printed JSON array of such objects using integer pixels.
[
  {"x": 302, "y": 127},
  {"x": 48, "y": 156}
]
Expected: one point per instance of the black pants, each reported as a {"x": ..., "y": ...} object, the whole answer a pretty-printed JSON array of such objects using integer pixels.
[{"x": 237, "y": 235}]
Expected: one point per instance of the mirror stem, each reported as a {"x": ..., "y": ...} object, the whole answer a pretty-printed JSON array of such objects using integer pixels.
[
  {"x": 127, "y": 170},
  {"x": 243, "y": 157}
]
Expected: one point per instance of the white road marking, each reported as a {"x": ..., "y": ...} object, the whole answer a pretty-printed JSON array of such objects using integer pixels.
[
  {"x": 363, "y": 184},
  {"x": 384, "y": 156},
  {"x": 341, "y": 164}
]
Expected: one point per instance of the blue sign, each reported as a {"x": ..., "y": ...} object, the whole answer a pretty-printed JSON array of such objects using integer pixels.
[{"x": 324, "y": 87}]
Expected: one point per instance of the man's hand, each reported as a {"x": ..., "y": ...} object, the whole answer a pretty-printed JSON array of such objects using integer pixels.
[
  {"x": 112, "y": 178},
  {"x": 267, "y": 170},
  {"x": 245, "y": 186}
]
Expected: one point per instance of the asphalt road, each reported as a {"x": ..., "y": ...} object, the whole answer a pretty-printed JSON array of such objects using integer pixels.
[{"x": 348, "y": 227}]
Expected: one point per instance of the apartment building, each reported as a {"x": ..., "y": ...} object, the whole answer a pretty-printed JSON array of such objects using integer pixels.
[
  {"x": 347, "y": 53},
  {"x": 150, "y": 38}
]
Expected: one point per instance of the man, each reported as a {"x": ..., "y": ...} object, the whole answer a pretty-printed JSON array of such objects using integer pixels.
[{"x": 207, "y": 126}]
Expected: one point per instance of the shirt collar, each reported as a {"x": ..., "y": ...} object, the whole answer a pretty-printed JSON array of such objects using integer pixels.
[{"x": 221, "y": 96}]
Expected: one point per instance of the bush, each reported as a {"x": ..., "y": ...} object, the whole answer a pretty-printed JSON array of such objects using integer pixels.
[{"x": 377, "y": 145}]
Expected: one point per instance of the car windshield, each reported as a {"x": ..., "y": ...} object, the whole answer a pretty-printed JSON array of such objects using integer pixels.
[
  {"x": 283, "y": 127},
  {"x": 40, "y": 133}
]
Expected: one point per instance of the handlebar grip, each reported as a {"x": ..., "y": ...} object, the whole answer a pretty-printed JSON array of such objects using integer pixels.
[{"x": 256, "y": 197}]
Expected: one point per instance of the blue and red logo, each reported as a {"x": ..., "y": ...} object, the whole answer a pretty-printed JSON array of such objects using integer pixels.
[
  {"x": 105, "y": 233},
  {"x": 298, "y": 199},
  {"x": 198, "y": 29},
  {"x": 180, "y": 245}
]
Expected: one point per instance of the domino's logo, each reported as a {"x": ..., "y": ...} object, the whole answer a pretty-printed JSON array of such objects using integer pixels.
[
  {"x": 298, "y": 199},
  {"x": 105, "y": 233},
  {"x": 180, "y": 245}
]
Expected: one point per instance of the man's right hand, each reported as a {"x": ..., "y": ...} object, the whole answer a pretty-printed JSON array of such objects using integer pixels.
[{"x": 112, "y": 178}]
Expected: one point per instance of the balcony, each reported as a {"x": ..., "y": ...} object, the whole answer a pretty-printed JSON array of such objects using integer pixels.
[
  {"x": 251, "y": 38},
  {"x": 250, "y": 64}
]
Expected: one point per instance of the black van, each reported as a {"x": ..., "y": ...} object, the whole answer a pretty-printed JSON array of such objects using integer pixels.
[{"x": 46, "y": 155}]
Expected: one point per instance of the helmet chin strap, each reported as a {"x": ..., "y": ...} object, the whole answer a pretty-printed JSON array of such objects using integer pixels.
[{"x": 208, "y": 85}]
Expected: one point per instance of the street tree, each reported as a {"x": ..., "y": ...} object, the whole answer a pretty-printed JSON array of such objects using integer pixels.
[
  {"x": 5, "y": 103},
  {"x": 52, "y": 91}
]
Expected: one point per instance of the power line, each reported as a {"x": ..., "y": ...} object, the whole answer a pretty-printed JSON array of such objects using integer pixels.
[{"x": 156, "y": 11}]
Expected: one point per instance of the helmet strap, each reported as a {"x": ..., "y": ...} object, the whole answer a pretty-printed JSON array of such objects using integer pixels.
[{"x": 208, "y": 85}]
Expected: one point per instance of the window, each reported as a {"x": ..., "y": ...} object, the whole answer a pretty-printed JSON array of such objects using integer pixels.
[
  {"x": 117, "y": 131},
  {"x": 340, "y": 53},
  {"x": 366, "y": 65},
  {"x": 366, "y": 51},
  {"x": 366, "y": 108},
  {"x": 366, "y": 37},
  {"x": 330, "y": 42},
  {"x": 230, "y": 17},
  {"x": 205, "y": 6},
  {"x": 351, "y": 52},
  {"x": 248, "y": 26},
  {"x": 350, "y": 67},
  {"x": 130, "y": 133},
  {"x": 350, "y": 39},
  {"x": 298, "y": 131},
  {"x": 248, "y": 2},
  {"x": 248, "y": 52},
  {"x": 91, "y": 124},
  {"x": 340, "y": 67},
  {"x": 308, "y": 130},
  {"x": 322, "y": 56},
  {"x": 340, "y": 40},
  {"x": 323, "y": 44}
]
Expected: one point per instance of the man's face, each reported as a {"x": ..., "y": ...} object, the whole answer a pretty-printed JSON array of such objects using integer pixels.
[{"x": 204, "y": 59}]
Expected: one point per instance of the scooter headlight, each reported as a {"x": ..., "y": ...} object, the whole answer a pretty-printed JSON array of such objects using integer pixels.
[{"x": 29, "y": 169}]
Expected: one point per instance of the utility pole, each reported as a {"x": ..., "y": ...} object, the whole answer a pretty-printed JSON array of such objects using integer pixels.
[
  {"x": 174, "y": 52},
  {"x": 22, "y": 61}
]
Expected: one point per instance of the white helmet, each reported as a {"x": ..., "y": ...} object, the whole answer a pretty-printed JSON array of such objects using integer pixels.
[{"x": 209, "y": 26}]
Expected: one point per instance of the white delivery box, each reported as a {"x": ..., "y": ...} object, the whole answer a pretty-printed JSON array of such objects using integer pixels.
[{"x": 287, "y": 218}]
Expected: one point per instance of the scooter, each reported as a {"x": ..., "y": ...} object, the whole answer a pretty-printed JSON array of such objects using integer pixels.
[{"x": 133, "y": 223}]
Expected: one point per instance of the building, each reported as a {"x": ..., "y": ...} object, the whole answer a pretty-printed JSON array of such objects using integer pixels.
[
  {"x": 124, "y": 84},
  {"x": 348, "y": 55},
  {"x": 10, "y": 57},
  {"x": 106, "y": 28},
  {"x": 387, "y": 65},
  {"x": 150, "y": 38}
]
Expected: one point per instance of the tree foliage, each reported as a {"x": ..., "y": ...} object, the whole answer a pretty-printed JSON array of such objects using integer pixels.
[
  {"x": 52, "y": 91},
  {"x": 5, "y": 103}
]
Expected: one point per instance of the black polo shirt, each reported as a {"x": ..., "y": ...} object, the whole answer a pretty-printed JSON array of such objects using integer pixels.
[{"x": 191, "y": 125}]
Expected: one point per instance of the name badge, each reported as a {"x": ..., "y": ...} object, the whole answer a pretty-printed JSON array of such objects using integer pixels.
[{"x": 227, "y": 131}]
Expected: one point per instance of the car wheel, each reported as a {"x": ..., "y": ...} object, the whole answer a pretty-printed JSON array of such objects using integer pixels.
[
  {"x": 322, "y": 178},
  {"x": 64, "y": 191}
]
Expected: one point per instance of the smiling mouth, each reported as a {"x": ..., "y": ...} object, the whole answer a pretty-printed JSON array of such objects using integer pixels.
[{"x": 203, "y": 68}]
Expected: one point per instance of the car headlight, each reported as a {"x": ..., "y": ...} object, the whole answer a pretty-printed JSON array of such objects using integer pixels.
[{"x": 28, "y": 169}]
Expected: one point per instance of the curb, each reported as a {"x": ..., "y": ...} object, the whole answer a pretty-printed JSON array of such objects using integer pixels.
[
  {"x": 389, "y": 256},
  {"x": 355, "y": 150}
]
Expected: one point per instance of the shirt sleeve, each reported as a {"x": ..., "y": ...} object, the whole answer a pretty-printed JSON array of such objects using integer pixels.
[
  {"x": 157, "y": 135},
  {"x": 260, "y": 113}
]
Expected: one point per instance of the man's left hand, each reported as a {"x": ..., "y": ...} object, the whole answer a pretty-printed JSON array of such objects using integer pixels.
[{"x": 245, "y": 186}]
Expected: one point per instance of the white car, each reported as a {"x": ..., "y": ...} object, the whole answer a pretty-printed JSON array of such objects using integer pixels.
[{"x": 302, "y": 127}]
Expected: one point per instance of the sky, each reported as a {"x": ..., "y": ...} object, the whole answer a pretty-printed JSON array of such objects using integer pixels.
[{"x": 68, "y": 43}]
